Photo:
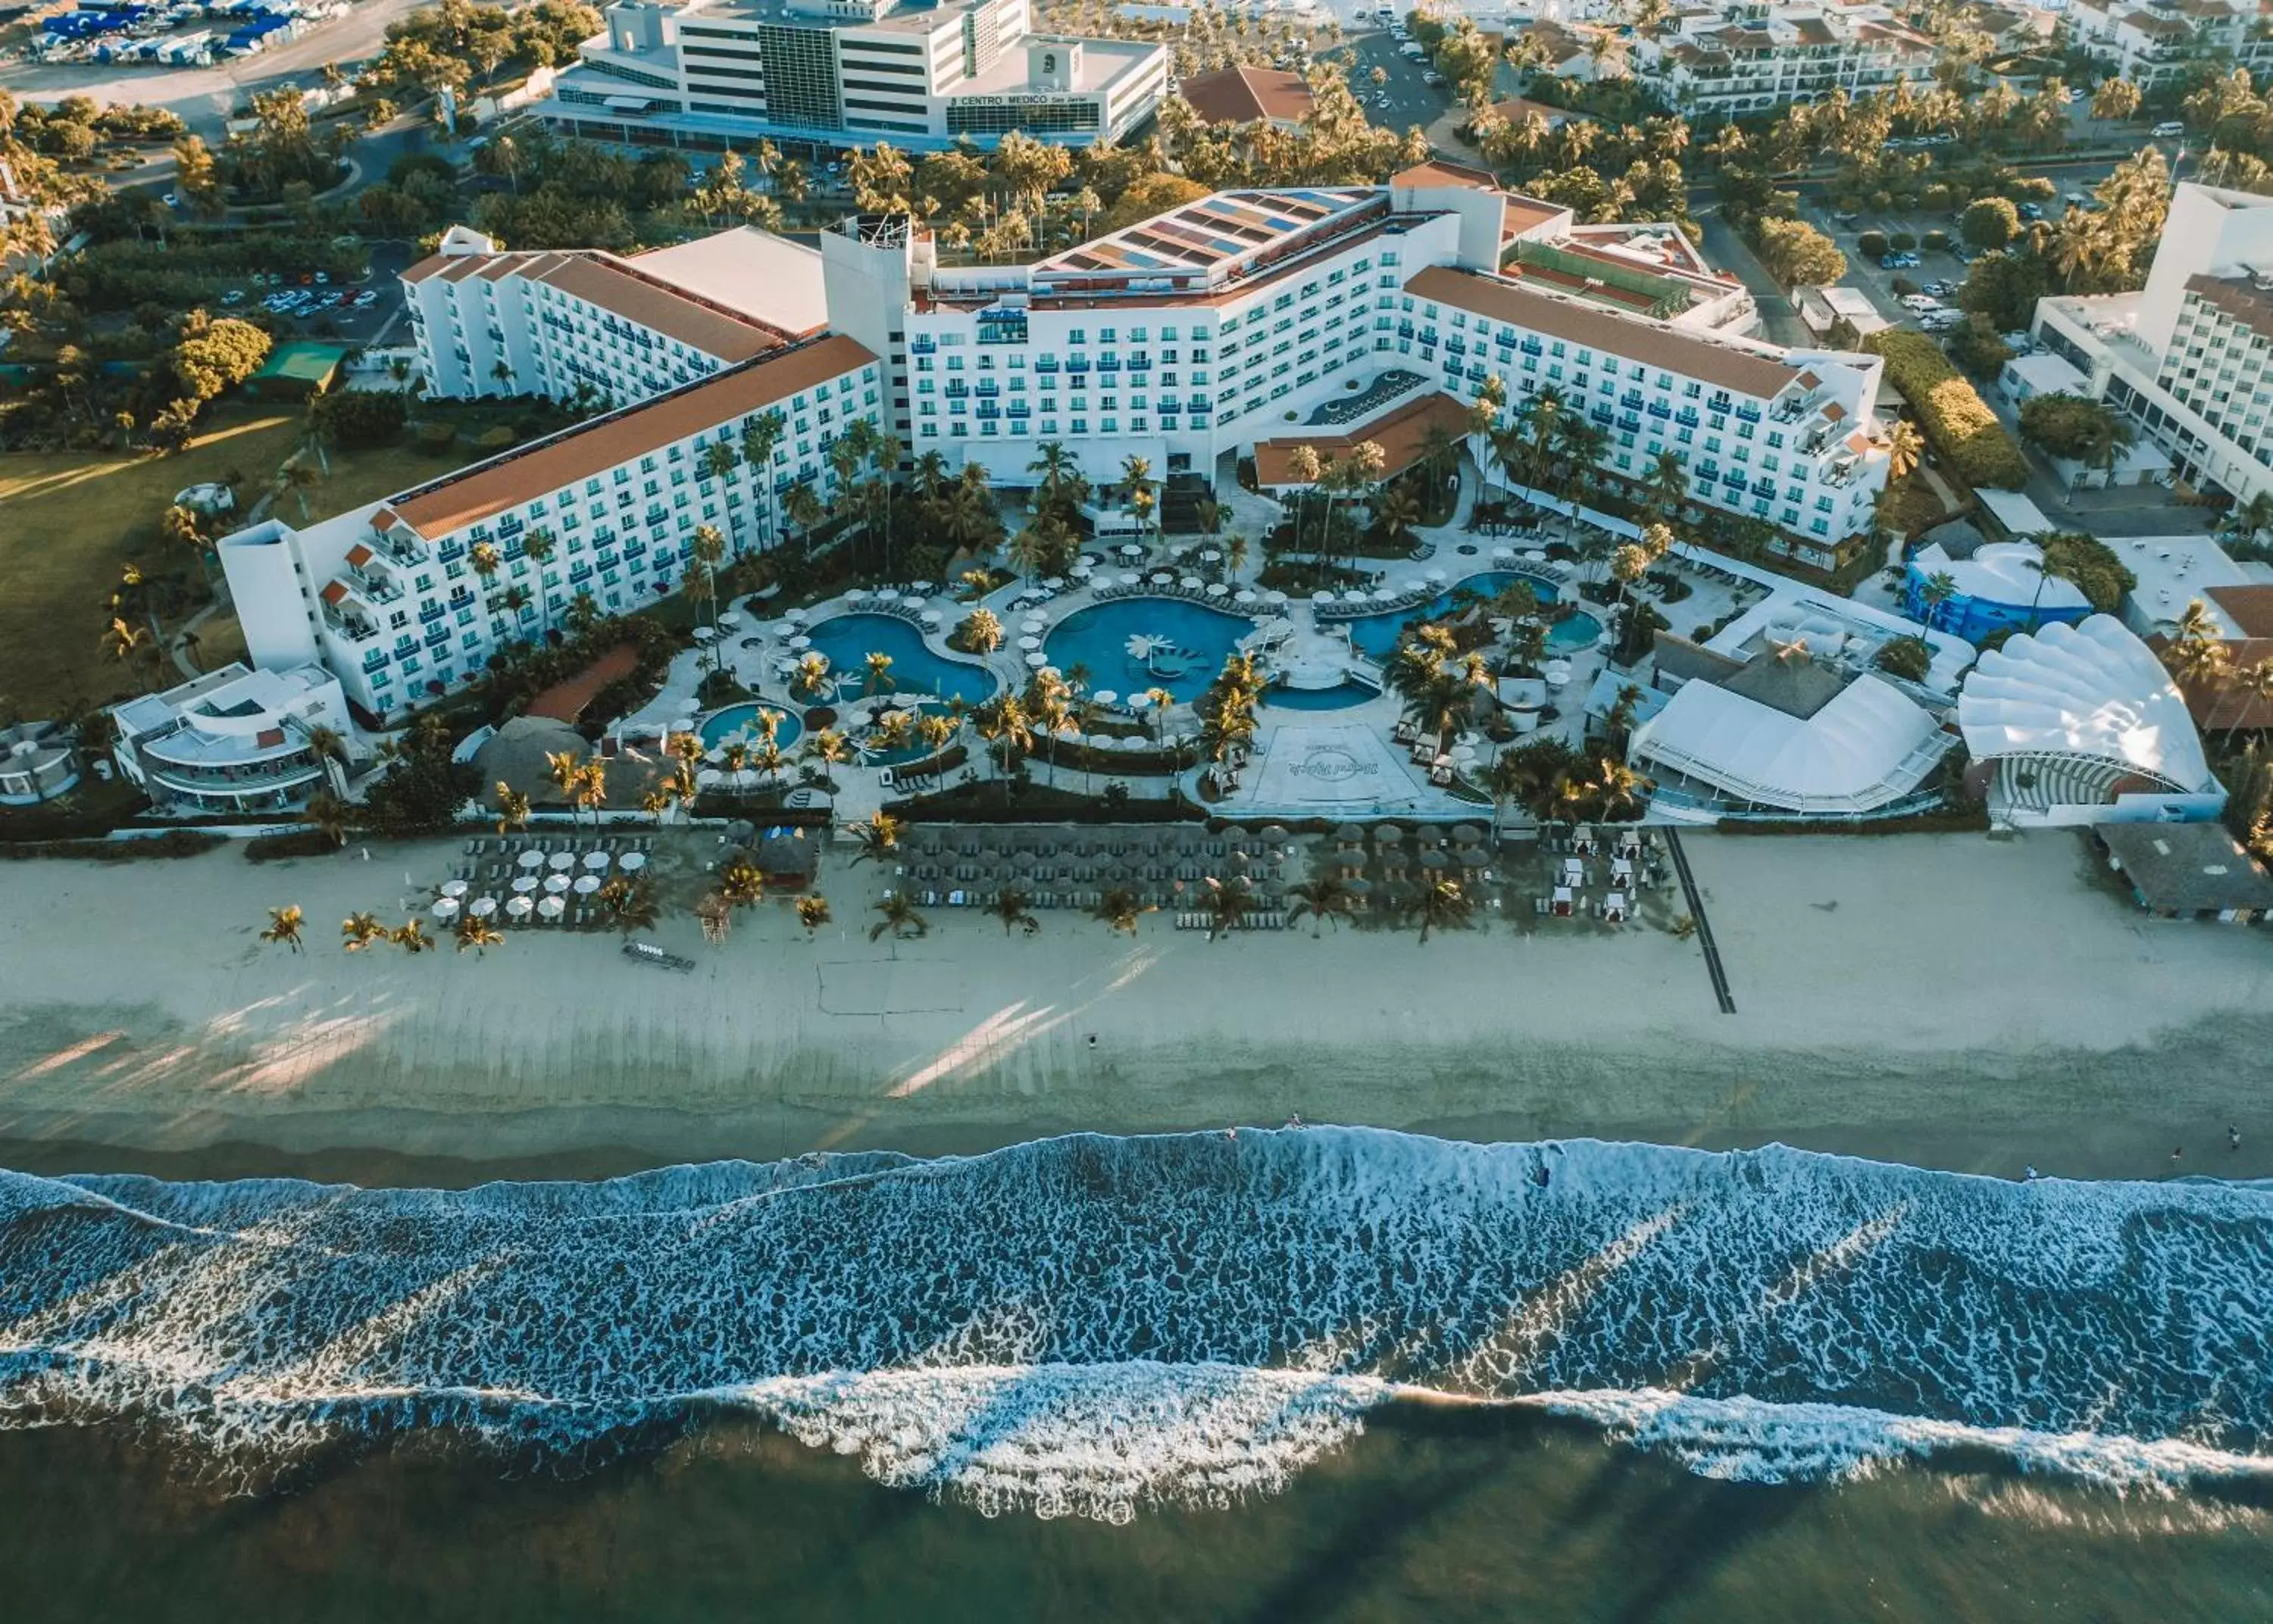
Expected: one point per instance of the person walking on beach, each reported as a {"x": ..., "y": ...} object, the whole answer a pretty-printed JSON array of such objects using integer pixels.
[{"x": 2233, "y": 1137}]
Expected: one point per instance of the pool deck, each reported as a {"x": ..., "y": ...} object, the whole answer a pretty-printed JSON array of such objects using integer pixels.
[{"x": 1341, "y": 763}]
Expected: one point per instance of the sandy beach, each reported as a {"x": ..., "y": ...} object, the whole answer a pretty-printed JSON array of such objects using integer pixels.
[{"x": 1949, "y": 1001}]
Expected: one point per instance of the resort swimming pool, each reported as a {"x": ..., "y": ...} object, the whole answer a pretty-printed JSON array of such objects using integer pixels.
[
  {"x": 1191, "y": 643},
  {"x": 1376, "y": 635},
  {"x": 1342, "y": 696},
  {"x": 848, "y": 640},
  {"x": 723, "y": 725}
]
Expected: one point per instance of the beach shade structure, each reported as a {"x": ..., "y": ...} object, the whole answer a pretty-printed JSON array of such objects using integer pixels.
[
  {"x": 1055, "y": 583},
  {"x": 586, "y": 884},
  {"x": 562, "y": 859},
  {"x": 523, "y": 883},
  {"x": 1190, "y": 583},
  {"x": 1382, "y": 595},
  {"x": 1034, "y": 622},
  {"x": 1274, "y": 600},
  {"x": 555, "y": 884},
  {"x": 730, "y": 620},
  {"x": 1537, "y": 555},
  {"x": 1473, "y": 857},
  {"x": 520, "y": 908},
  {"x": 531, "y": 858},
  {"x": 798, "y": 615},
  {"x": 1350, "y": 835},
  {"x": 596, "y": 860},
  {"x": 856, "y": 594},
  {"x": 1614, "y": 907},
  {"x": 703, "y": 634},
  {"x": 1433, "y": 858},
  {"x": 482, "y": 907},
  {"x": 1130, "y": 549},
  {"x": 1357, "y": 595},
  {"x": 800, "y": 643},
  {"x": 1029, "y": 643},
  {"x": 1037, "y": 659},
  {"x": 632, "y": 862},
  {"x": 1388, "y": 833},
  {"x": 783, "y": 628},
  {"x": 1561, "y": 901},
  {"x": 446, "y": 907},
  {"x": 888, "y": 594},
  {"x": 1321, "y": 598},
  {"x": 1161, "y": 578},
  {"x": 552, "y": 908},
  {"x": 1244, "y": 597},
  {"x": 1274, "y": 832},
  {"x": 454, "y": 887},
  {"x": 1130, "y": 580},
  {"x": 1218, "y": 590},
  {"x": 929, "y": 617},
  {"x": 1466, "y": 834}
]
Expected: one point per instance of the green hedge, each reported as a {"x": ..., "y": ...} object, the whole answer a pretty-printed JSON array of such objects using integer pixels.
[{"x": 1950, "y": 412}]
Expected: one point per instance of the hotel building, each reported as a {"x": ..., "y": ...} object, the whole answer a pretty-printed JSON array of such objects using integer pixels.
[
  {"x": 2155, "y": 43},
  {"x": 1751, "y": 58},
  {"x": 709, "y": 72},
  {"x": 233, "y": 740},
  {"x": 1245, "y": 322},
  {"x": 2190, "y": 355},
  {"x": 389, "y": 597}
]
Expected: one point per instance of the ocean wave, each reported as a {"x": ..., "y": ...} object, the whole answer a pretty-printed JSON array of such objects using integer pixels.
[{"x": 1088, "y": 1325}]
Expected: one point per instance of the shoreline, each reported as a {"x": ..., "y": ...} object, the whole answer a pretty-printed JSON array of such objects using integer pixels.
[{"x": 1936, "y": 1001}]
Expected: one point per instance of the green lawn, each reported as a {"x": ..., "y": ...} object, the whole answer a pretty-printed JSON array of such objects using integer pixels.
[{"x": 69, "y": 525}]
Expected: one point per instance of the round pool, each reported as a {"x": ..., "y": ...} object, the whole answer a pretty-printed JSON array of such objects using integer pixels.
[
  {"x": 1183, "y": 644},
  {"x": 1573, "y": 633},
  {"x": 720, "y": 726}
]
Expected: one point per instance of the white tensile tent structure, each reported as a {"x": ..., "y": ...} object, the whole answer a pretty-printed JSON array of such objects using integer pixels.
[
  {"x": 2081, "y": 723},
  {"x": 1868, "y": 746}
]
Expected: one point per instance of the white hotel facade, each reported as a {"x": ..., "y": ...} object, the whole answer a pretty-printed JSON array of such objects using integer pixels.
[
  {"x": 1187, "y": 339},
  {"x": 711, "y": 72}
]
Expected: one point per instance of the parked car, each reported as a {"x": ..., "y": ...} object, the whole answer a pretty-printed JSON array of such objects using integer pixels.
[
  {"x": 1939, "y": 290},
  {"x": 1432, "y": 78},
  {"x": 2169, "y": 130},
  {"x": 2031, "y": 211},
  {"x": 1921, "y": 302},
  {"x": 234, "y": 297}
]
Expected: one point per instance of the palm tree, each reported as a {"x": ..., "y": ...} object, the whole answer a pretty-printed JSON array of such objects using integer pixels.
[
  {"x": 1118, "y": 909},
  {"x": 1010, "y": 907},
  {"x": 411, "y": 936},
  {"x": 981, "y": 631},
  {"x": 478, "y": 934},
  {"x": 812, "y": 912},
  {"x": 283, "y": 927},
  {"x": 1226, "y": 904},
  {"x": 900, "y": 918},
  {"x": 828, "y": 746},
  {"x": 567, "y": 768},
  {"x": 1396, "y": 509},
  {"x": 629, "y": 903},
  {"x": 2197, "y": 656},
  {"x": 1323, "y": 898},
  {"x": 326, "y": 812},
  {"x": 741, "y": 883},
  {"x": 1003, "y": 719},
  {"x": 1619, "y": 788},
  {"x": 1905, "y": 448},
  {"x": 1934, "y": 591},
  {"x": 1444, "y": 906},
  {"x": 879, "y": 674},
  {"x": 592, "y": 787},
  {"x": 1136, "y": 475},
  {"x": 1056, "y": 467},
  {"x": 358, "y": 931},
  {"x": 879, "y": 836},
  {"x": 1669, "y": 485}
]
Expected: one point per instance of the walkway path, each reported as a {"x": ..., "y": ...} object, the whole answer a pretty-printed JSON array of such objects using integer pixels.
[{"x": 1713, "y": 966}]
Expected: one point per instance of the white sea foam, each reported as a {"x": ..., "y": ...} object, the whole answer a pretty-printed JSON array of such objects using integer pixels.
[{"x": 1087, "y": 1325}]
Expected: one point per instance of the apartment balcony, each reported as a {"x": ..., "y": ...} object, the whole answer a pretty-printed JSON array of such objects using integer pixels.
[
  {"x": 1660, "y": 410},
  {"x": 923, "y": 344},
  {"x": 1748, "y": 414}
]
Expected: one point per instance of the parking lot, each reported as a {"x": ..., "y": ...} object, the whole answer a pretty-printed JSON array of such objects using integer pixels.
[{"x": 1405, "y": 98}]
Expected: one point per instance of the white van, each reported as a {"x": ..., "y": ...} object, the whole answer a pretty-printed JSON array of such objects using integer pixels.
[
  {"x": 2169, "y": 130},
  {"x": 1413, "y": 51}
]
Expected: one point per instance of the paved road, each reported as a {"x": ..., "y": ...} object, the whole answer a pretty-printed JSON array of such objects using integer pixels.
[{"x": 204, "y": 97}]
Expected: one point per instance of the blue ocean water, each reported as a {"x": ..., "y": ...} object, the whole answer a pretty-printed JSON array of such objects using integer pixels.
[{"x": 1107, "y": 1327}]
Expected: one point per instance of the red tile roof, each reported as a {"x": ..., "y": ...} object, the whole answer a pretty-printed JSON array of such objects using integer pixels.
[
  {"x": 1243, "y": 95},
  {"x": 1402, "y": 436}
]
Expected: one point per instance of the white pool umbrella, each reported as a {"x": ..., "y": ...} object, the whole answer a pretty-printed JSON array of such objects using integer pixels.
[
  {"x": 446, "y": 907},
  {"x": 552, "y": 908},
  {"x": 555, "y": 884},
  {"x": 586, "y": 884},
  {"x": 524, "y": 884},
  {"x": 596, "y": 860},
  {"x": 482, "y": 907},
  {"x": 520, "y": 908},
  {"x": 1029, "y": 644},
  {"x": 633, "y": 861},
  {"x": 561, "y": 859},
  {"x": 454, "y": 887},
  {"x": 531, "y": 858}
]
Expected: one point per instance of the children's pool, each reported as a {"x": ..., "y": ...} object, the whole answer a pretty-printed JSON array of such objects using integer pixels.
[
  {"x": 847, "y": 641},
  {"x": 1342, "y": 696},
  {"x": 720, "y": 726},
  {"x": 1183, "y": 647}
]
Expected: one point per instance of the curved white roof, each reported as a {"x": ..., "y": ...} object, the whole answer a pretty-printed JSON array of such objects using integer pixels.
[
  {"x": 2004, "y": 573},
  {"x": 2091, "y": 689},
  {"x": 1870, "y": 745}
]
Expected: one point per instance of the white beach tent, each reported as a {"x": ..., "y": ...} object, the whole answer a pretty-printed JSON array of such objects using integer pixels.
[
  {"x": 2092, "y": 691},
  {"x": 1869, "y": 746}
]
